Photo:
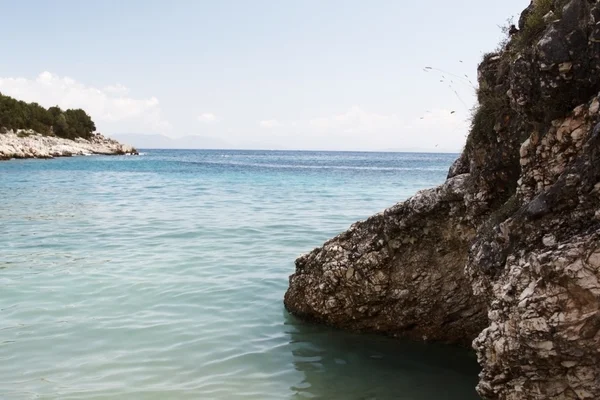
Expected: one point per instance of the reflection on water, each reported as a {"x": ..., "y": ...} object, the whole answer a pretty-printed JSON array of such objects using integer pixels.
[{"x": 340, "y": 365}]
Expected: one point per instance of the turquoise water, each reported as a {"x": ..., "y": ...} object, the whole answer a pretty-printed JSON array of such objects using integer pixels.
[{"x": 162, "y": 277}]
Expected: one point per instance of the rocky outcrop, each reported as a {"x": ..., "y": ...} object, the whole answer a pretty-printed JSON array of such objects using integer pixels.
[
  {"x": 28, "y": 144},
  {"x": 399, "y": 272},
  {"x": 507, "y": 251},
  {"x": 540, "y": 270}
]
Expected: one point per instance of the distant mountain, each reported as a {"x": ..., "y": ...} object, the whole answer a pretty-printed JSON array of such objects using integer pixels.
[{"x": 154, "y": 141}]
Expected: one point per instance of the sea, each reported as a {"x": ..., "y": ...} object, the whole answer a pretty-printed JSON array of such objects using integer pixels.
[{"x": 161, "y": 276}]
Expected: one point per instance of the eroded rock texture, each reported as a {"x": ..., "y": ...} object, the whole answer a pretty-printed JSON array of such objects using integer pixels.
[
  {"x": 540, "y": 271},
  {"x": 29, "y": 144},
  {"x": 399, "y": 272},
  {"x": 507, "y": 251}
]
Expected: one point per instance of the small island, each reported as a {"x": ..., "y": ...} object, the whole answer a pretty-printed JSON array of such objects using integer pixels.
[{"x": 28, "y": 130}]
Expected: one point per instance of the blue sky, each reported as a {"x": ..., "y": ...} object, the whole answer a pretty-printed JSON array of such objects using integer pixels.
[{"x": 345, "y": 75}]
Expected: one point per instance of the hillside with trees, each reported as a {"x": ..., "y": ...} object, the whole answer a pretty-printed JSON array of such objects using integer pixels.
[{"x": 69, "y": 124}]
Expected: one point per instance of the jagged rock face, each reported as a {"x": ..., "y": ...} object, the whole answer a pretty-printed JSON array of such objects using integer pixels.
[
  {"x": 508, "y": 249},
  {"x": 559, "y": 71},
  {"x": 399, "y": 272},
  {"x": 537, "y": 264},
  {"x": 540, "y": 270},
  {"x": 542, "y": 342},
  {"x": 492, "y": 148}
]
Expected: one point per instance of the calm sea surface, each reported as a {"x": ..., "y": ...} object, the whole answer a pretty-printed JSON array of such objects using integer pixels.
[{"x": 162, "y": 277}]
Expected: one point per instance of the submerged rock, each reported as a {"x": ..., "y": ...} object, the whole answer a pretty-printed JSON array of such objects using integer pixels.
[
  {"x": 507, "y": 250},
  {"x": 29, "y": 144}
]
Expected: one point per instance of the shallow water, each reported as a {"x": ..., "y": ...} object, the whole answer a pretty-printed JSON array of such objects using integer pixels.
[{"x": 162, "y": 277}]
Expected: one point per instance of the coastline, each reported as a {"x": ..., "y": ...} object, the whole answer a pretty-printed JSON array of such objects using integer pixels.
[{"x": 29, "y": 144}]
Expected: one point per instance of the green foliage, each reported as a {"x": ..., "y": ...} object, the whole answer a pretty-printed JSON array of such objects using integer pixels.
[
  {"x": 493, "y": 108},
  {"x": 535, "y": 24},
  {"x": 70, "y": 124},
  {"x": 505, "y": 29},
  {"x": 79, "y": 122}
]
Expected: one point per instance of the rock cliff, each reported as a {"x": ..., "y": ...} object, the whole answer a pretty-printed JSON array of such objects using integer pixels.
[
  {"x": 28, "y": 144},
  {"x": 506, "y": 253}
]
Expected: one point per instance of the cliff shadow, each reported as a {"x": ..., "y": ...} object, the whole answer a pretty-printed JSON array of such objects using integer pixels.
[{"x": 350, "y": 366}]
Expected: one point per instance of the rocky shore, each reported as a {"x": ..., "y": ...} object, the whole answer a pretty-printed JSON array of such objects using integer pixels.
[
  {"x": 506, "y": 253},
  {"x": 28, "y": 144}
]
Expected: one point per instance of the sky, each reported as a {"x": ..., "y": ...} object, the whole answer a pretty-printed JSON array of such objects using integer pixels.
[{"x": 297, "y": 75}]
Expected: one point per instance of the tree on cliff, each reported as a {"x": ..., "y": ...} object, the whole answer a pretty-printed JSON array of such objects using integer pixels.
[{"x": 70, "y": 124}]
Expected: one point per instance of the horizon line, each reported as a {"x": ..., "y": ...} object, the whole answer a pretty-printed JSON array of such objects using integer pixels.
[{"x": 308, "y": 150}]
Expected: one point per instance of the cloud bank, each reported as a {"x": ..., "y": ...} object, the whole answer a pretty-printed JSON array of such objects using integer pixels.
[
  {"x": 207, "y": 118},
  {"x": 269, "y": 123},
  {"x": 359, "y": 129},
  {"x": 115, "y": 109},
  {"x": 111, "y": 107}
]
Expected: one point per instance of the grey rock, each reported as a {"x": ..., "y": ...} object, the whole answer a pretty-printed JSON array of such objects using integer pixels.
[
  {"x": 459, "y": 167},
  {"x": 507, "y": 250},
  {"x": 573, "y": 15},
  {"x": 412, "y": 289},
  {"x": 552, "y": 48},
  {"x": 537, "y": 207},
  {"x": 525, "y": 14}
]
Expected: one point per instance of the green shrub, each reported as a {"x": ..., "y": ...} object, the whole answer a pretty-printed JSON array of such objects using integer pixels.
[
  {"x": 535, "y": 24},
  {"x": 493, "y": 108},
  {"x": 71, "y": 124}
]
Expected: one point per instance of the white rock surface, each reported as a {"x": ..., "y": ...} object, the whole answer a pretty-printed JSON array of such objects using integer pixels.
[{"x": 29, "y": 144}]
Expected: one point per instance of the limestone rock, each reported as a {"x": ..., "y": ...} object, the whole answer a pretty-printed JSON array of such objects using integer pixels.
[
  {"x": 29, "y": 144},
  {"x": 390, "y": 274},
  {"x": 507, "y": 250}
]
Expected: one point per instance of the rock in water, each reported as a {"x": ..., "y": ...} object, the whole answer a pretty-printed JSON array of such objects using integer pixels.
[
  {"x": 507, "y": 250},
  {"x": 400, "y": 272}
]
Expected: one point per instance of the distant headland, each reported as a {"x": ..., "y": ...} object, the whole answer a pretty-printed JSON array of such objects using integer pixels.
[{"x": 28, "y": 130}]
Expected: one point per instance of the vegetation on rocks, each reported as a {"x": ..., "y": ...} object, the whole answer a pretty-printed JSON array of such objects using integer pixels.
[
  {"x": 506, "y": 253},
  {"x": 535, "y": 21},
  {"x": 68, "y": 124}
]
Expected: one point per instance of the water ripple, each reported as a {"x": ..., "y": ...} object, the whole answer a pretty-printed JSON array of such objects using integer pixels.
[{"x": 162, "y": 277}]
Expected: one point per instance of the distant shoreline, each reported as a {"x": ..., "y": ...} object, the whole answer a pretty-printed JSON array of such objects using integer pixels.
[{"x": 24, "y": 144}]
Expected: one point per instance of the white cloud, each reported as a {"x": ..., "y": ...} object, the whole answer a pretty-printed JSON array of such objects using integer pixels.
[
  {"x": 269, "y": 123},
  {"x": 207, "y": 118},
  {"x": 356, "y": 121},
  {"x": 117, "y": 89},
  {"x": 359, "y": 129},
  {"x": 110, "y": 107}
]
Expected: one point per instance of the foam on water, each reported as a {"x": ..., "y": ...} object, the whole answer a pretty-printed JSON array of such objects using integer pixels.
[{"x": 162, "y": 276}]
